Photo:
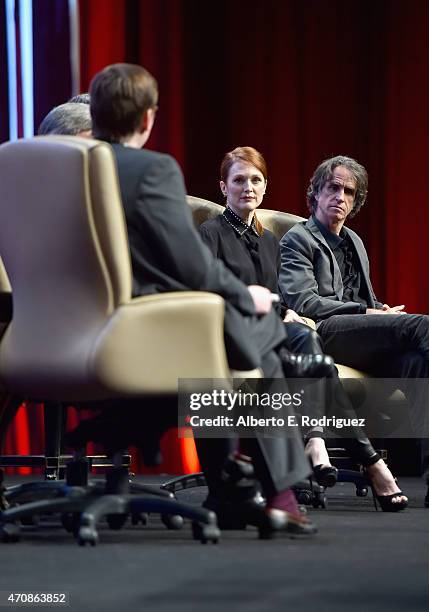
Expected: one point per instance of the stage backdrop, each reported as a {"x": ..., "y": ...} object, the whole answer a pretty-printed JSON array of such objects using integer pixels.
[{"x": 300, "y": 81}]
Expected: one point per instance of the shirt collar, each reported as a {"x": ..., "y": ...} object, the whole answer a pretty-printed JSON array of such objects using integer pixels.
[
  {"x": 238, "y": 224},
  {"x": 332, "y": 239}
]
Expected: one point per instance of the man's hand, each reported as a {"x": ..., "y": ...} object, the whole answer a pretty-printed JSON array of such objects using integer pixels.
[
  {"x": 262, "y": 298},
  {"x": 292, "y": 317},
  {"x": 386, "y": 309},
  {"x": 393, "y": 309}
]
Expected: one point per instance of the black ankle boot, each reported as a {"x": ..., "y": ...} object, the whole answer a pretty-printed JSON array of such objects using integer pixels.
[{"x": 306, "y": 366}]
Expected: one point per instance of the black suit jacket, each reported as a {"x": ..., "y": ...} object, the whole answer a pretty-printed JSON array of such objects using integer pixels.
[{"x": 167, "y": 254}]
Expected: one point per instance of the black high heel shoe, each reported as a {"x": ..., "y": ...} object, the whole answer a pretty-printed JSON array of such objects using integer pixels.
[
  {"x": 325, "y": 475},
  {"x": 386, "y": 501}
]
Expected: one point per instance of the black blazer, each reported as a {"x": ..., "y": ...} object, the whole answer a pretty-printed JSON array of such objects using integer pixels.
[
  {"x": 258, "y": 268},
  {"x": 167, "y": 253}
]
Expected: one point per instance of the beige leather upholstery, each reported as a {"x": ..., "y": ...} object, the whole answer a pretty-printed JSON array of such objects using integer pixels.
[
  {"x": 277, "y": 222},
  {"x": 76, "y": 333}
]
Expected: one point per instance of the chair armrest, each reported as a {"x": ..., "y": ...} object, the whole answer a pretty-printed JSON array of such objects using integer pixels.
[{"x": 153, "y": 340}]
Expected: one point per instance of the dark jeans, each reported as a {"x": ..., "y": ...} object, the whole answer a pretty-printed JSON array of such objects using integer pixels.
[
  {"x": 387, "y": 346},
  {"x": 329, "y": 399}
]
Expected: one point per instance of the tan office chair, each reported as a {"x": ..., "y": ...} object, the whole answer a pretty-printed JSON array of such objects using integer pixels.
[{"x": 77, "y": 335}]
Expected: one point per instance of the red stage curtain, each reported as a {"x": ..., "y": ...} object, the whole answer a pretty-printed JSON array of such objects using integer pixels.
[{"x": 301, "y": 81}]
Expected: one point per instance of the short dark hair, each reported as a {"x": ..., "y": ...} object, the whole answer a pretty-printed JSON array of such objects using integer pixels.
[
  {"x": 68, "y": 119},
  {"x": 120, "y": 95},
  {"x": 324, "y": 172},
  {"x": 82, "y": 98}
]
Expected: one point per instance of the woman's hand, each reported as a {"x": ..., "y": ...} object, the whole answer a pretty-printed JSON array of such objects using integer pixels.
[{"x": 292, "y": 317}]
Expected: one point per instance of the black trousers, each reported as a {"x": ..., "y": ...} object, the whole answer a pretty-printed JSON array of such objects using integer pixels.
[
  {"x": 329, "y": 397},
  {"x": 387, "y": 346},
  {"x": 279, "y": 462}
]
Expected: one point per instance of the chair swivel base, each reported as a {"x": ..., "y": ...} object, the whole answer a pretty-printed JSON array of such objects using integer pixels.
[{"x": 81, "y": 509}]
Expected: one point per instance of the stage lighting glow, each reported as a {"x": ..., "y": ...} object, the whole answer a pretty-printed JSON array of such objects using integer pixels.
[
  {"x": 26, "y": 34},
  {"x": 11, "y": 68},
  {"x": 74, "y": 46}
]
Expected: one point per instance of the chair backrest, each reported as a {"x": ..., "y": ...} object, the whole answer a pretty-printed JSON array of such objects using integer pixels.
[
  {"x": 276, "y": 221},
  {"x": 64, "y": 245}
]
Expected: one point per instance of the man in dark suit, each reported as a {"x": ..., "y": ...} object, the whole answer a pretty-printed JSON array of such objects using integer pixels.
[
  {"x": 167, "y": 254},
  {"x": 325, "y": 275}
]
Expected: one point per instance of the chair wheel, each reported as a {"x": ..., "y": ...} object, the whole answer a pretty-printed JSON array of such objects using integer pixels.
[
  {"x": 9, "y": 532},
  {"x": 87, "y": 535},
  {"x": 172, "y": 521},
  {"x": 116, "y": 521},
  {"x": 361, "y": 491},
  {"x": 141, "y": 517},
  {"x": 320, "y": 501},
  {"x": 205, "y": 533}
]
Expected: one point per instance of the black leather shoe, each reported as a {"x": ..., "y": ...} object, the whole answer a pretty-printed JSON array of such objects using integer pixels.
[
  {"x": 279, "y": 521},
  {"x": 306, "y": 366},
  {"x": 269, "y": 521},
  {"x": 237, "y": 514}
]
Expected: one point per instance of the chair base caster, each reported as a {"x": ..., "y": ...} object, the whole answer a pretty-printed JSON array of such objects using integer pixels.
[
  {"x": 141, "y": 517},
  {"x": 205, "y": 533},
  {"x": 9, "y": 532},
  {"x": 87, "y": 535},
  {"x": 361, "y": 491},
  {"x": 172, "y": 521}
]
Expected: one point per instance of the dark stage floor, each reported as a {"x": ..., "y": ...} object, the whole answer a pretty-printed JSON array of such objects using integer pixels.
[{"x": 360, "y": 560}]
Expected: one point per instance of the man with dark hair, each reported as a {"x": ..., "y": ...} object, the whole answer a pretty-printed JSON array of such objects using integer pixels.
[
  {"x": 167, "y": 254},
  {"x": 70, "y": 119},
  {"x": 325, "y": 275}
]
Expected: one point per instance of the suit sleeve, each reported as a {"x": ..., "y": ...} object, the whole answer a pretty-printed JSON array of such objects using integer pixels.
[
  {"x": 164, "y": 218},
  {"x": 298, "y": 285}
]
